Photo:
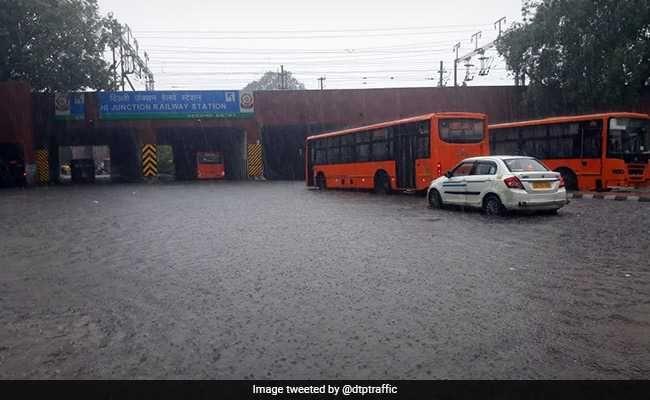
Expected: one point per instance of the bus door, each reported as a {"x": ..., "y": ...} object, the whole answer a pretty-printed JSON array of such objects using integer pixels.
[
  {"x": 405, "y": 145},
  {"x": 591, "y": 134}
]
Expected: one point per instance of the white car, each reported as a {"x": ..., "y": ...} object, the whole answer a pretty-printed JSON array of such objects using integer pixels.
[{"x": 500, "y": 183}]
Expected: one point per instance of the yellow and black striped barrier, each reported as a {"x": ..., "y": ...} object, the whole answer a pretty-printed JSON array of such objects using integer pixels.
[
  {"x": 149, "y": 160},
  {"x": 43, "y": 165},
  {"x": 255, "y": 163}
]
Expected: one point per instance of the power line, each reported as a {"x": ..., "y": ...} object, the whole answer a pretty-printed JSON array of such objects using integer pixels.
[
  {"x": 399, "y": 46},
  {"x": 317, "y": 30},
  {"x": 271, "y": 37}
]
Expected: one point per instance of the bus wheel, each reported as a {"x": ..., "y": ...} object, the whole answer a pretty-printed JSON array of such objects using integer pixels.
[
  {"x": 320, "y": 181},
  {"x": 434, "y": 199},
  {"x": 492, "y": 205},
  {"x": 570, "y": 178},
  {"x": 382, "y": 183}
]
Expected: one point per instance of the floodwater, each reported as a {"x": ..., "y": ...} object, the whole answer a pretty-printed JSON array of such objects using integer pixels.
[{"x": 272, "y": 280}]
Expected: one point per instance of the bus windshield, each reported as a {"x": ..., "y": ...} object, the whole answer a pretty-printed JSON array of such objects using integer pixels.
[
  {"x": 461, "y": 130},
  {"x": 210, "y": 158},
  {"x": 628, "y": 137}
]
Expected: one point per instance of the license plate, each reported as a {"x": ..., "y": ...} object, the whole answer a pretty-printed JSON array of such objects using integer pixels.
[{"x": 541, "y": 185}]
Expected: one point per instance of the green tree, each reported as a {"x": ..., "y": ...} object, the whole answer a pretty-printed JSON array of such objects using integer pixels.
[
  {"x": 580, "y": 55},
  {"x": 273, "y": 81},
  {"x": 55, "y": 45}
]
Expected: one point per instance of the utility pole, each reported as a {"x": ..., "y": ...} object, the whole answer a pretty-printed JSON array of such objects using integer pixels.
[
  {"x": 282, "y": 85},
  {"x": 130, "y": 62},
  {"x": 456, "y": 47},
  {"x": 321, "y": 79},
  {"x": 441, "y": 71},
  {"x": 498, "y": 22},
  {"x": 475, "y": 38}
]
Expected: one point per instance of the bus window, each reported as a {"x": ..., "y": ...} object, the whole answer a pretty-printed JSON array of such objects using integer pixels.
[
  {"x": 534, "y": 141},
  {"x": 591, "y": 138},
  {"x": 333, "y": 150},
  {"x": 564, "y": 141},
  {"x": 347, "y": 148},
  {"x": 461, "y": 130},
  {"x": 628, "y": 136},
  {"x": 505, "y": 142},
  {"x": 380, "y": 145},
  {"x": 362, "y": 149}
]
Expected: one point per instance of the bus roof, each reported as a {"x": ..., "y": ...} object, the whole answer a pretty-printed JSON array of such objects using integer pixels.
[
  {"x": 416, "y": 118},
  {"x": 567, "y": 118}
]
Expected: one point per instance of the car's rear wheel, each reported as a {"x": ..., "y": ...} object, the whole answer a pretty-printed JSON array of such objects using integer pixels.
[
  {"x": 492, "y": 205},
  {"x": 435, "y": 201}
]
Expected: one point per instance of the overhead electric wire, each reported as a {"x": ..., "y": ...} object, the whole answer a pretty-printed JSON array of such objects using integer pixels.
[
  {"x": 174, "y": 63},
  {"x": 350, "y": 49},
  {"x": 324, "y": 30},
  {"x": 271, "y": 37}
]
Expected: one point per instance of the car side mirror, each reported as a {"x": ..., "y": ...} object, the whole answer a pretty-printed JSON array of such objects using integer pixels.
[{"x": 448, "y": 174}]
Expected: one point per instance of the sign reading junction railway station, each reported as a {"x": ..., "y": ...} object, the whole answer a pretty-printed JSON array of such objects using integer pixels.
[{"x": 188, "y": 104}]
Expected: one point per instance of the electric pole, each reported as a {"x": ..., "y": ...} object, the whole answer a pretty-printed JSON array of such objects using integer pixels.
[
  {"x": 498, "y": 22},
  {"x": 456, "y": 47},
  {"x": 441, "y": 71},
  {"x": 321, "y": 79},
  {"x": 124, "y": 45},
  {"x": 282, "y": 85},
  {"x": 475, "y": 38}
]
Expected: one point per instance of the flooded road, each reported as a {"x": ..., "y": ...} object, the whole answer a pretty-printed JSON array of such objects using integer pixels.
[{"x": 270, "y": 280}]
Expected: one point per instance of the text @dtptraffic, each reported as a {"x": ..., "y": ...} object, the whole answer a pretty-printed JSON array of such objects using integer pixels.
[{"x": 333, "y": 390}]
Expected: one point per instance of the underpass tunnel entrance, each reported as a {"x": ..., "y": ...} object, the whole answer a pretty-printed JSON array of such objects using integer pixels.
[
  {"x": 166, "y": 165},
  {"x": 87, "y": 155},
  {"x": 200, "y": 148},
  {"x": 12, "y": 165},
  {"x": 84, "y": 163},
  {"x": 284, "y": 149}
]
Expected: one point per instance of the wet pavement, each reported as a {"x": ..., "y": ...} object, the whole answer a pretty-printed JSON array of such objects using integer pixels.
[{"x": 272, "y": 280}]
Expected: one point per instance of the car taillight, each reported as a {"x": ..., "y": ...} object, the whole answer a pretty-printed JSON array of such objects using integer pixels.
[
  {"x": 561, "y": 181},
  {"x": 513, "y": 183},
  {"x": 439, "y": 169}
]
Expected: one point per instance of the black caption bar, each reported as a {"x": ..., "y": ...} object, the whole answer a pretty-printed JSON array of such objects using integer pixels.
[{"x": 329, "y": 390}]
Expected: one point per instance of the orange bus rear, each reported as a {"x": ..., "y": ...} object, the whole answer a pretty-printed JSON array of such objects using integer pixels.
[
  {"x": 592, "y": 152},
  {"x": 209, "y": 165},
  {"x": 403, "y": 155}
]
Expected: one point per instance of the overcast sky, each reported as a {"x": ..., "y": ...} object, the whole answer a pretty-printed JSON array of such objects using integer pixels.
[{"x": 202, "y": 44}]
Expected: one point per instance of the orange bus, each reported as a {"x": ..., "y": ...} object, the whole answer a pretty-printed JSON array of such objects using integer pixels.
[
  {"x": 592, "y": 152},
  {"x": 403, "y": 155},
  {"x": 209, "y": 165}
]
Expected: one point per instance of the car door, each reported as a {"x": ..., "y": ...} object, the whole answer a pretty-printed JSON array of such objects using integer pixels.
[
  {"x": 479, "y": 182},
  {"x": 454, "y": 188}
]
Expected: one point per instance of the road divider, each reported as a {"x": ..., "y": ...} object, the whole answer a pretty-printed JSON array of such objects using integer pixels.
[{"x": 642, "y": 197}]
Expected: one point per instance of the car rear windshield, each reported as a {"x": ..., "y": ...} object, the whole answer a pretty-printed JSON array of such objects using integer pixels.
[
  {"x": 524, "y": 165},
  {"x": 461, "y": 130}
]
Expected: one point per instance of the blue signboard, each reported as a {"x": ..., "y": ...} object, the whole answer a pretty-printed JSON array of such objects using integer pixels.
[
  {"x": 175, "y": 104},
  {"x": 69, "y": 106}
]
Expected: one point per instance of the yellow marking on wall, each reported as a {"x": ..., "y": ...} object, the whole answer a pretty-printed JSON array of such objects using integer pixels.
[
  {"x": 255, "y": 162},
  {"x": 43, "y": 165},
  {"x": 149, "y": 160}
]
